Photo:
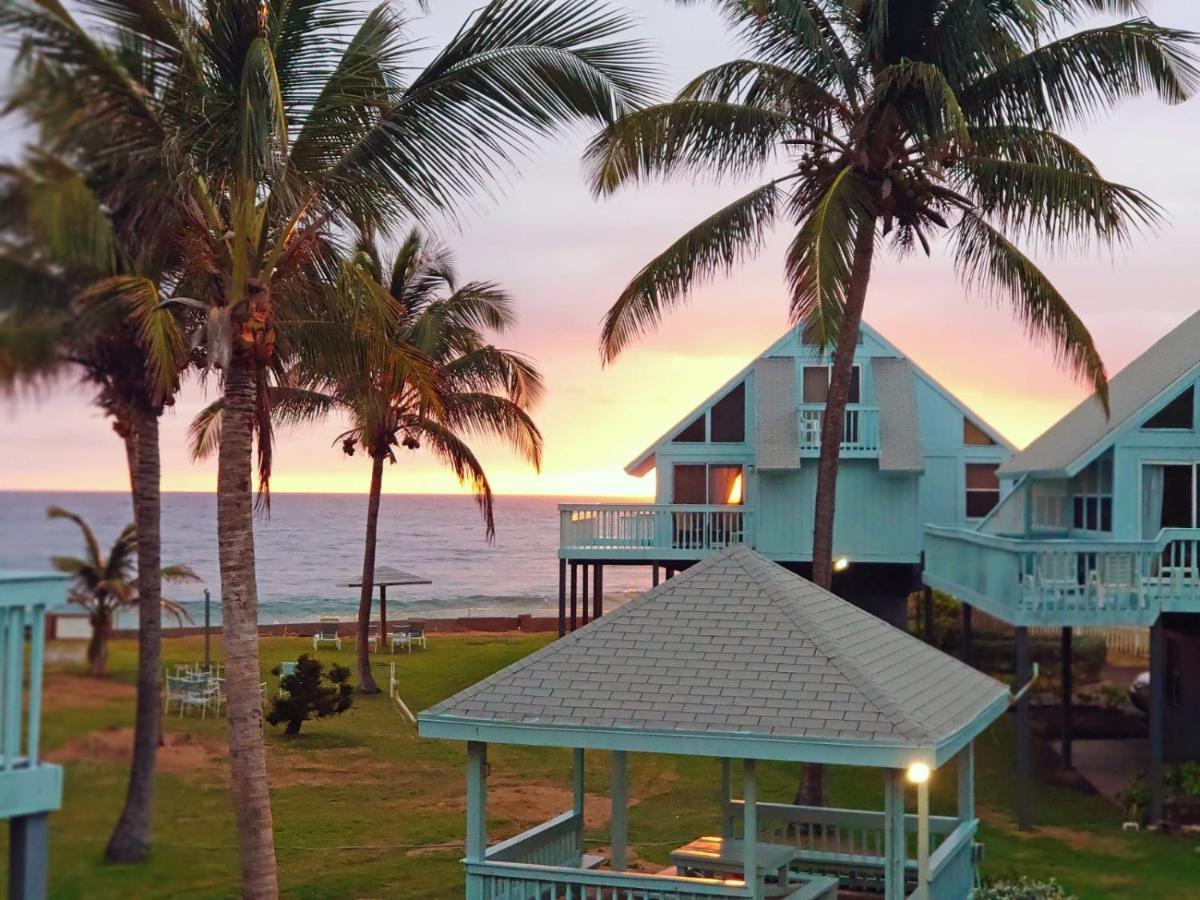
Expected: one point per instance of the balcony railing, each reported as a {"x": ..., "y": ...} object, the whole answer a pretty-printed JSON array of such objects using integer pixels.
[
  {"x": 1067, "y": 582},
  {"x": 674, "y": 531},
  {"x": 860, "y": 433},
  {"x": 27, "y": 785}
]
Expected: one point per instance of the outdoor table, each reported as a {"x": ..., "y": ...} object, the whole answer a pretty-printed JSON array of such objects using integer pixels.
[
  {"x": 385, "y": 577},
  {"x": 719, "y": 857}
]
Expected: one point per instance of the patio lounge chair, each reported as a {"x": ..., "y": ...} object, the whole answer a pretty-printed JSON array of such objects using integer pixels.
[
  {"x": 407, "y": 635},
  {"x": 193, "y": 694},
  {"x": 327, "y": 633}
]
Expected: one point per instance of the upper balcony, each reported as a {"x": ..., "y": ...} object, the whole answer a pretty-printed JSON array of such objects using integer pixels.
[
  {"x": 1058, "y": 581},
  {"x": 860, "y": 435},
  {"x": 658, "y": 531},
  {"x": 27, "y": 785}
]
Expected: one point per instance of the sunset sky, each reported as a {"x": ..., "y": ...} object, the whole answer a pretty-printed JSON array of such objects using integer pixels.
[{"x": 565, "y": 256}]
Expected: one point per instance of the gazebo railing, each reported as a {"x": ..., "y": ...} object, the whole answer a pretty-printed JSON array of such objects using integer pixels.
[
  {"x": 522, "y": 881},
  {"x": 849, "y": 844},
  {"x": 558, "y": 842}
]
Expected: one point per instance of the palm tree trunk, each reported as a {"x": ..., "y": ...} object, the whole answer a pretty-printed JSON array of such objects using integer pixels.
[
  {"x": 239, "y": 609},
  {"x": 812, "y": 782},
  {"x": 97, "y": 649},
  {"x": 366, "y": 681},
  {"x": 834, "y": 424},
  {"x": 130, "y": 841}
]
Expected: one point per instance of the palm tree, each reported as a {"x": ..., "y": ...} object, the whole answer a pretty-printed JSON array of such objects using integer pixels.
[
  {"x": 479, "y": 389},
  {"x": 896, "y": 122},
  {"x": 281, "y": 128},
  {"x": 103, "y": 584},
  {"x": 83, "y": 295}
]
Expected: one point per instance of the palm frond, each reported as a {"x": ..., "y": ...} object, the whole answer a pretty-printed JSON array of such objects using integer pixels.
[
  {"x": 96, "y": 559},
  {"x": 986, "y": 260},
  {"x": 454, "y": 452},
  {"x": 694, "y": 137},
  {"x": 715, "y": 245}
]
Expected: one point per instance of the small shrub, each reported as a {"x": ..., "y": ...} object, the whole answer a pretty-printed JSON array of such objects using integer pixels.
[
  {"x": 1022, "y": 889},
  {"x": 304, "y": 697}
]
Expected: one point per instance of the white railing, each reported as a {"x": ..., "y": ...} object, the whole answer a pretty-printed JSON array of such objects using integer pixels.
[
  {"x": 558, "y": 842},
  {"x": 1068, "y": 581},
  {"x": 860, "y": 434},
  {"x": 1129, "y": 641},
  {"x": 653, "y": 527}
]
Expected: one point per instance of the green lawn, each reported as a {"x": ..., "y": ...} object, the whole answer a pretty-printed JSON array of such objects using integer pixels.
[{"x": 364, "y": 808}]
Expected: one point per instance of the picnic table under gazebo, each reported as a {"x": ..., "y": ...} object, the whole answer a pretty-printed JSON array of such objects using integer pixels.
[
  {"x": 385, "y": 577},
  {"x": 738, "y": 659}
]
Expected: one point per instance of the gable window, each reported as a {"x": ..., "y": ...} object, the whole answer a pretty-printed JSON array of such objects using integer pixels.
[
  {"x": 1179, "y": 414},
  {"x": 693, "y": 433},
  {"x": 815, "y": 388},
  {"x": 983, "y": 489},
  {"x": 1092, "y": 497},
  {"x": 974, "y": 436},
  {"x": 712, "y": 485},
  {"x": 728, "y": 417}
]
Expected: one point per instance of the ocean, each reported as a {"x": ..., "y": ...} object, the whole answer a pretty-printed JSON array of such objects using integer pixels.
[{"x": 311, "y": 546}]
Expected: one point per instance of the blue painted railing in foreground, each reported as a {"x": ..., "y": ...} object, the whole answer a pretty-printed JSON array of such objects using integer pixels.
[
  {"x": 558, "y": 842},
  {"x": 655, "y": 530},
  {"x": 1057, "y": 581},
  {"x": 27, "y": 784}
]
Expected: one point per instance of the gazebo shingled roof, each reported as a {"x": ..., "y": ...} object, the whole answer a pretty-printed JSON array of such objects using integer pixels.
[{"x": 736, "y": 656}]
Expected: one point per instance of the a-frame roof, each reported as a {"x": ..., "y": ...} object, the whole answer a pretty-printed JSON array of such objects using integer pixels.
[
  {"x": 737, "y": 656},
  {"x": 1076, "y": 438},
  {"x": 644, "y": 462}
]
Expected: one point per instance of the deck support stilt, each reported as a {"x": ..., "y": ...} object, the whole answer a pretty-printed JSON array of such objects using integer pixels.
[
  {"x": 562, "y": 597},
  {"x": 619, "y": 822},
  {"x": 727, "y": 829},
  {"x": 586, "y": 607},
  {"x": 927, "y": 614},
  {"x": 1158, "y": 704},
  {"x": 1024, "y": 769},
  {"x": 1067, "y": 664},
  {"x": 966, "y": 633},
  {"x": 574, "y": 595},
  {"x": 750, "y": 827},
  {"x": 894, "y": 842},
  {"x": 597, "y": 590},
  {"x": 654, "y": 575}
]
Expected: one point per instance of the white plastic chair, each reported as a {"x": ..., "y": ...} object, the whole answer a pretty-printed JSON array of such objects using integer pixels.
[
  {"x": 407, "y": 635},
  {"x": 327, "y": 633}
]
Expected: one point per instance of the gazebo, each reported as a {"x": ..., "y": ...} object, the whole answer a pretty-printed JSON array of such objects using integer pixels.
[
  {"x": 385, "y": 577},
  {"x": 738, "y": 659}
]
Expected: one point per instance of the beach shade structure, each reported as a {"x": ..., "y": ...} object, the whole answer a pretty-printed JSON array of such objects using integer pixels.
[
  {"x": 741, "y": 660},
  {"x": 386, "y": 577},
  {"x": 30, "y": 788}
]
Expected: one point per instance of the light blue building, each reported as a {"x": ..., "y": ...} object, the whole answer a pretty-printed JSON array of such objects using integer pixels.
[
  {"x": 1102, "y": 527},
  {"x": 741, "y": 468},
  {"x": 29, "y": 787}
]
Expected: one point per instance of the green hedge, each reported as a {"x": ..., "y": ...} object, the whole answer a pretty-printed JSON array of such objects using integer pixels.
[{"x": 998, "y": 654}]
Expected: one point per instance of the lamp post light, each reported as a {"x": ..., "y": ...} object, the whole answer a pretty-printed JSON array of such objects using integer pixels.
[{"x": 918, "y": 773}]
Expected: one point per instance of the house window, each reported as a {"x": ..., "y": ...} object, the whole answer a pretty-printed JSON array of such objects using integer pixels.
[
  {"x": 693, "y": 433},
  {"x": 1170, "y": 497},
  {"x": 729, "y": 417},
  {"x": 1178, "y": 415},
  {"x": 715, "y": 485},
  {"x": 983, "y": 489},
  {"x": 816, "y": 384},
  {"x": 1092, "y": 497},
  {"x": 974, "y": 436}
]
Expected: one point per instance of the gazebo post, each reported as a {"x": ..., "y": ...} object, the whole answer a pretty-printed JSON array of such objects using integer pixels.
[
  {"x": 966, "y": 783},
  {"x": 923, "y": 840},
  {"x": 619, "y": 822},
  {"x": 727, "y": 830},
  {"x": 894, "y": 843},
  {"x": 476, "y": 813},
  {"x": 577, "y": 791},
  {"x": 750, "y": 826}
]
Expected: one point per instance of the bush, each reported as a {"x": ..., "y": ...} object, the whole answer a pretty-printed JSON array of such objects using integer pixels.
[
  {"x": 1022, "y": 889},
  {"x": 998, "y": 654},
  {"x": 303, "y": 696}
]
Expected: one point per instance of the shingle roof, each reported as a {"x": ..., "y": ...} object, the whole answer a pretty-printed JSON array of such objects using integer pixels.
[
  {"x": 1129, "y": 391},
  {"x": 899, "y": 422},
  {"x": 738, "y": 644}
]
